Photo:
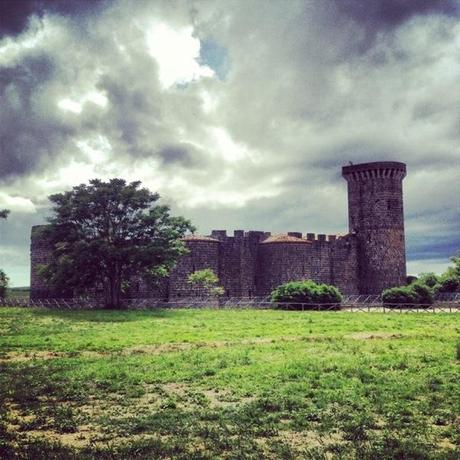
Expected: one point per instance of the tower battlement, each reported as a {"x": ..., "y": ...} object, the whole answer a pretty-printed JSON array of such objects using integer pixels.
[{"x": 374, "y": 170}]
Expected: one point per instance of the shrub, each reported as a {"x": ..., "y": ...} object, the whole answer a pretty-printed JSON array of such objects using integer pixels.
[
  {"x": 3, "y": 283},
  {"x": 295, "y": 294},
  {"x": 411, "y": 279},
  {"x": 429, "y": 279},
  {"x": 414, "y": 294},
  {"x": 449, "y": 284},
  {"x": 206, "y": 280}
]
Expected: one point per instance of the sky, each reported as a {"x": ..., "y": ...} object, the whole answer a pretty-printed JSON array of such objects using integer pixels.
[{"x": 239, "y": 113}]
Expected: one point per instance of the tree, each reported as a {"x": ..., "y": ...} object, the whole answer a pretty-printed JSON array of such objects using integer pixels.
[
  {"x": 207, "y": 280},
  {"x": 449, "y": 281},
  {"x": 3, "y": 284},
  {"x": 105, "y": 233},
  {"x": 455, "y": 270},
  {"x": 3, "y": 278}
]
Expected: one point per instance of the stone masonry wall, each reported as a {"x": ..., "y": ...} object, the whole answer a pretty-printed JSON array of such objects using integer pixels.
[
  {"x": 321, "y": 261},
  {"x": 203, "y": 254},
  {"x": 229, "y": 271},
  {"x": 250, "y": 268},
  {"x": 40, "y": 254},
  {"x": 281, "y": 262},
  {"x": 344, "y": 264}
]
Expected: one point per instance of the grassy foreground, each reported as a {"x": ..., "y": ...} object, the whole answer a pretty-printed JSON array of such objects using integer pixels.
[{"x": 196, "y": 384}]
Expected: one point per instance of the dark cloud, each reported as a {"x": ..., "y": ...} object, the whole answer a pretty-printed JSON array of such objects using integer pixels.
[
  {"x": 373, "y": 17},
  {"x": 30, "y": 132},
  {"x": 15, "y": 14},
  {"x": 387, "y": 14},
  {"x": 432, "y": 247},
  {"x": 181, "y": 155}
]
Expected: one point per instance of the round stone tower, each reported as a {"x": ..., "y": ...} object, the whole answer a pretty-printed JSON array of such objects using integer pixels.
[
  {"x": 283, "y": 258},
  {"x": 375, "y": 215}
]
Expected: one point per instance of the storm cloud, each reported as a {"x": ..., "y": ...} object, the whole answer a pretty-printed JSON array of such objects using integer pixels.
[
  {"x": 15, "y": 14},
  {"x": 239, "y": 113}
]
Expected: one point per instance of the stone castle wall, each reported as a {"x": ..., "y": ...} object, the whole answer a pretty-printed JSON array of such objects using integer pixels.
[
  {"x": 40, "y": 254},
  {"x": 369, "y": 258},
  {"x": 248, "y": 264},
  {"x": 203, "y": 253}
]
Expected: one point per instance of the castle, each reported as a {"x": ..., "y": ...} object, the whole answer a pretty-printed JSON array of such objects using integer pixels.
[{"x": 368, "y": 259}]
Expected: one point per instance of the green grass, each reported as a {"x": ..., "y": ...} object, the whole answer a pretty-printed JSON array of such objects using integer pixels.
[{"x": 206, "y": 384}]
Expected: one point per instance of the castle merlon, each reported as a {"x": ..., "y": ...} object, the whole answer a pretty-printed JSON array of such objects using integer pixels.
[{"x": 269, "y": 237}]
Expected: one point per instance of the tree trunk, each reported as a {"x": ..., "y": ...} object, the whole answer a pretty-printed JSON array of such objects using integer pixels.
[{"x": 113, "y": 291}]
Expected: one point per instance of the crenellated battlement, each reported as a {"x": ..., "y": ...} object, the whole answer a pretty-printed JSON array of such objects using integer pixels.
[
  {"x": 221, "y": 235},
  {"x": 375, "y": 170}
]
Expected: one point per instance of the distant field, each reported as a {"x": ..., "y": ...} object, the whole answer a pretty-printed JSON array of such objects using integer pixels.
[
  {"x": 18, "y": 292},
  {"x": 202, "y": 384}
]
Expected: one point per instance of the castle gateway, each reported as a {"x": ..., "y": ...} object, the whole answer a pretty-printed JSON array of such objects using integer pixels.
[{"x": 371, "y": 257}]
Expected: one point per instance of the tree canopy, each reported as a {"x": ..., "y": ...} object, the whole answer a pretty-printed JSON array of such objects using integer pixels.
[{"x": 105, "y": 233}]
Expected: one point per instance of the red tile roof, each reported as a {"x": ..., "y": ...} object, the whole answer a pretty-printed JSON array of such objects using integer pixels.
[
  {"x": 199, "y": 238},
  {"x": 285, "y": 239}
]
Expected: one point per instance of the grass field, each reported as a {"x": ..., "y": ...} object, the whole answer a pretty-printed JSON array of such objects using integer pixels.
[{"x": 197, "y": 384}]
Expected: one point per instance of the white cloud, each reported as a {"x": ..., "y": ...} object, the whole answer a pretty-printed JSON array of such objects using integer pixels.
[
  {"x": 177, "y": 52},
  {"x": 74, "y": 106},
  {"x": 97, "y": 149},
  {"x": 69, "y": 105},
  {"x": 225, "y": 147},
  {"x": 16, "y": 203}
]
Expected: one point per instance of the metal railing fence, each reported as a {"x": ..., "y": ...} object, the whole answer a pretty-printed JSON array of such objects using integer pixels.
[{"x": 355, "y": 303}]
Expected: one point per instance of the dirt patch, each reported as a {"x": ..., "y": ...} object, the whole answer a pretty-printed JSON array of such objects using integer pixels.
[
  {"x": 177, "y": 347},
  {"x": 300, "y": 440},
  {"x": 85, "y": 436},
  {"x": 179, "y": 389},
  {"x": 79, "y": 439},
  {"x": 153, "y": 349},
  {"x": 224, "y": 398},
  {"x": 158, "y": 349},
  {"x": 18, "y": 356},
  {"x": 373, "y": 335}
]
